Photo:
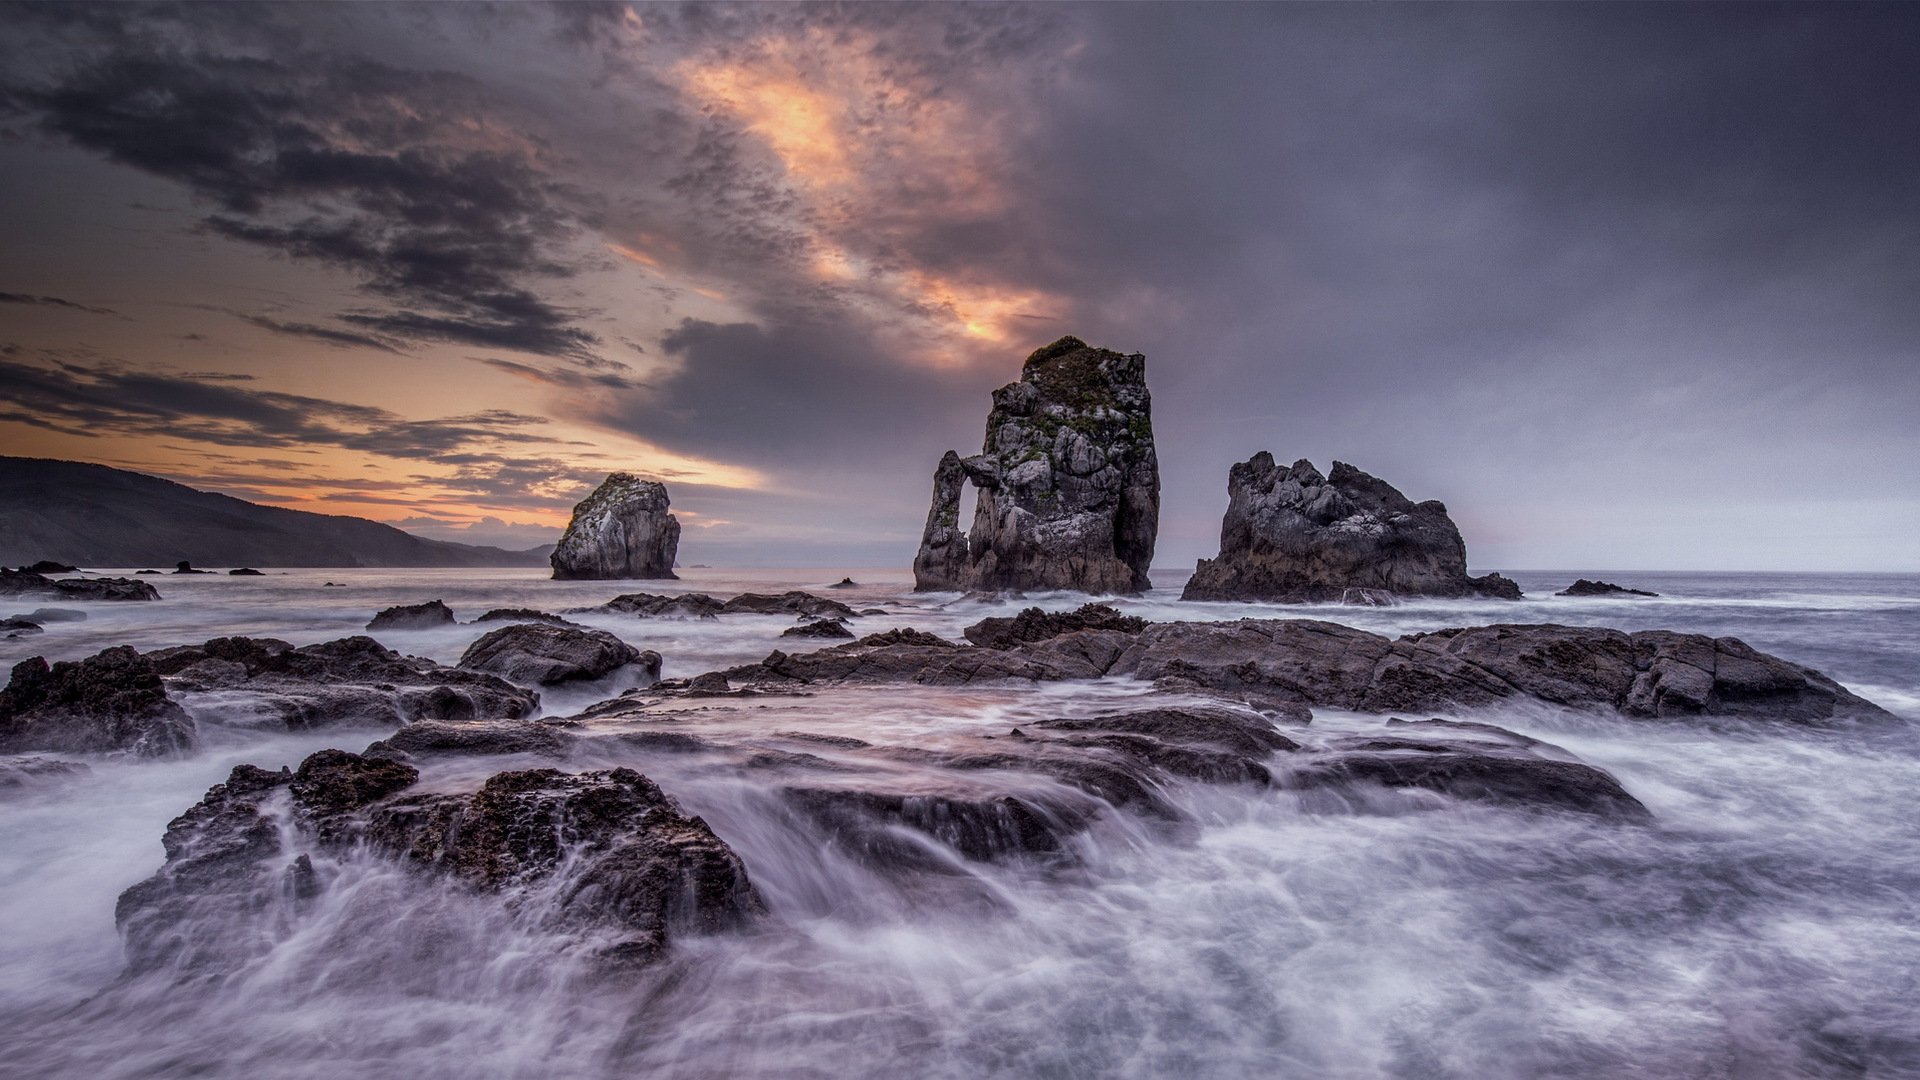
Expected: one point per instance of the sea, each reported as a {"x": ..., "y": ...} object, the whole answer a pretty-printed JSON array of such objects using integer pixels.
[{"x": 1766, "y": 923}]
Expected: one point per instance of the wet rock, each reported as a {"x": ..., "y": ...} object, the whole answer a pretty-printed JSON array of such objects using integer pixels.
[
  {"x": 1291, "y": 535},
  {"x": 545, "y": 655},
  {"x": 1652, "y": 673},
  {"x": 712, "y": 682},
  {"x": 111, "y": 701},
  {"x": 984, "y": 829},
  {"x": 905, "y": 635},
  {"x": 245, "y": 571},
  {"x": 944, "y": 664},
  {"x": 622, "y": 530},
  {"x": 1583, "y": 587},
  {"x": 844, "y": 583},
  {"x": 225, "y": 864},
  {"x": 1033, "y": 624},
  {"x": 48, "y": 566},
  {"x": 819, "y": 628},
  {"x": 425, "y": 616},
  {"x": 429, "y": 738},
  {"x": 147, "y": 572},
  {"x": 1069, "y": 484},
  {"x": 518, "y": 614},
  {"x": 26, "y": 628},
  {"x": 1240, "y": 732},
  {"x": 185, "y": 567},
  {"x": 656, "y": 606},
  {"x": 352, "y": 682},
  {"x": 1498, "y": 770},
  {"x": 794, "y": 602},
  {"x": 600, "y": 851},
  {"x": 47, "y": 615},
  {"x": 28, "y": 773},
  {"x": 23, "y": 583}
]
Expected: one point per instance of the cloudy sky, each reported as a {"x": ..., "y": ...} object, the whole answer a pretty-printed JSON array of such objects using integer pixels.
[{"x": 1627, "y": 286}]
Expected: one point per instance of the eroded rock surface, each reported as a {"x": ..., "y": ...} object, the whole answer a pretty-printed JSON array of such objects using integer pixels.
[
  {"x": 1291, "y": 535},
  {"x": 111, "y": 701},
  {"x": 605, "y": 851},
  {"x": 541, "y": 654},
  {"x": 354, "y": 682},
  {"x": 1035, "y": 624},
  {"x": 622, "y": 530},
  {"x": 1069, "y": 484}
]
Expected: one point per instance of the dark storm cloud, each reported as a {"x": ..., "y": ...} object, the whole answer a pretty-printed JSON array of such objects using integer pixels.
[
  {"x": 52, "y": 301},
  {"x": 390, "y": 175},
  {"x": 326, "y": 335}
]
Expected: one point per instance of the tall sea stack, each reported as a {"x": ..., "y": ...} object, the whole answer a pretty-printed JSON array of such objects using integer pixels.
[
  {"x": 1293, "y": 536},
  {"x": 622, "y": 530},
  {"x": 1068, "y": 480}
]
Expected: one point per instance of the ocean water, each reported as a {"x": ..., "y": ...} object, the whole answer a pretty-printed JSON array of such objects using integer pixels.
[{"x": 1764, "y": 925}]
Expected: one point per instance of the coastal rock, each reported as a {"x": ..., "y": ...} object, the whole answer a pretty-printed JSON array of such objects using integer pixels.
[
  {"x": 429, "y": 738},
  {"x": 622, "y": 530},
  {"x": 425, "y": 616},
  {"x": 29, "y": 772},
  {"x": 656, "y": 606},
  {"x": 1293, "y": 536},
  {"x": 25, "y": 583},
  {"x": 1583, "y": 587},
  {"x": 1034, "y": 624},
  {"x": 351, "y": 682},
  {"x": 794, "y": 602},
  {"x": 1651, "y": 673},
  {"x": 47, "y": 615},
  {"x": 48, "y": 566},
  {"x": 1069, "y": 484},
  {"x": 111, "y": 701},
  {"x": 544, "y": 655},
  {"x": 245, "y": 571},
  {"x": 521, "y": 615},
  {"x": 14, "y": 628},
  {"x": 1505, "y": 768},
  {"x": 819, "y": 628},
  {"x": 601, "y": 851},
  {"x": 185, "y": 567}
]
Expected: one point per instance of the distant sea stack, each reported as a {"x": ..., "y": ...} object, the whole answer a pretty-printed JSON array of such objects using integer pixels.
[
  {"x": 622, "y": 530},
  {"x": 1069, "y": 484},
  {"x": 1293, "y": 536}
]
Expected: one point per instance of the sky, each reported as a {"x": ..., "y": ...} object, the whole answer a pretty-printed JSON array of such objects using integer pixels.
[{"x": 1626, "y": 286}]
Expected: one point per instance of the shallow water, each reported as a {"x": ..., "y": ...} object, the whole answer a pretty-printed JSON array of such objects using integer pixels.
[{"x": 1761, "y": 926}]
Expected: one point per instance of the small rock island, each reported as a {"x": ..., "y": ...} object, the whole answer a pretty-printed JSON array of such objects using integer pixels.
[
  {"x": 622, "y": 530},
  {"x": 1293, "y": 536},
  {"x": 1069, "y": 485}
]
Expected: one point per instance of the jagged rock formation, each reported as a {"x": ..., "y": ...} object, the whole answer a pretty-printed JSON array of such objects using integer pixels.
[
  {"x": 1069, "y": 486},
  {"x": 599, "y": 851},
  {"x": 1583, "y": 587},
  {"x": 542, "y": 654},
  {"x": 819, "y": 628},
  {"x": 352, "y": 682},
  {"x": 1293, "y": 536},
  {"x": 111, "y": 701},
  {"x": 622, "y": 530},
  {"x": 1035, "y": 624}
]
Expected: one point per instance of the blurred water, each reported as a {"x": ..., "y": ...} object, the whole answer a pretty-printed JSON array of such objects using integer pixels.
[{"x": 1762, "y": 927}]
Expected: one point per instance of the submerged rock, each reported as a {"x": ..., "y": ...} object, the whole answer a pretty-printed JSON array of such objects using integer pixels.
[
  {"x": 1069, "y": 484},
  {"x": 111, "y": 701},
  {"x": 794, "y": 602},
  {"x": 622, "y": 530},
  {"x": 245, "y": 571},
  {"x": 601, "y": 851},
  {"x": 544, "y": 655},
  {"x": 14, "y": 628},
  {"x": 53, "y": 614},
  {"x": 29, "y": 772},
  {"x": 48, "y": 566},
  {"x": 25, "y": 583},
  {"x": 353, "y": 682},
  {"x": 1583, "y": 587},
  {"x": 1293, "y": 536},
  {"x": 427, "y": 616},
  {"x": 427, "y": 738},
  {"x": 819, "y": 628},
  {"x": 517, "y": 614}
]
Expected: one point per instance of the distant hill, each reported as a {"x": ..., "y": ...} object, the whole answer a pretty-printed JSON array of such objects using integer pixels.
[{"x": 91, "y": 515}]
